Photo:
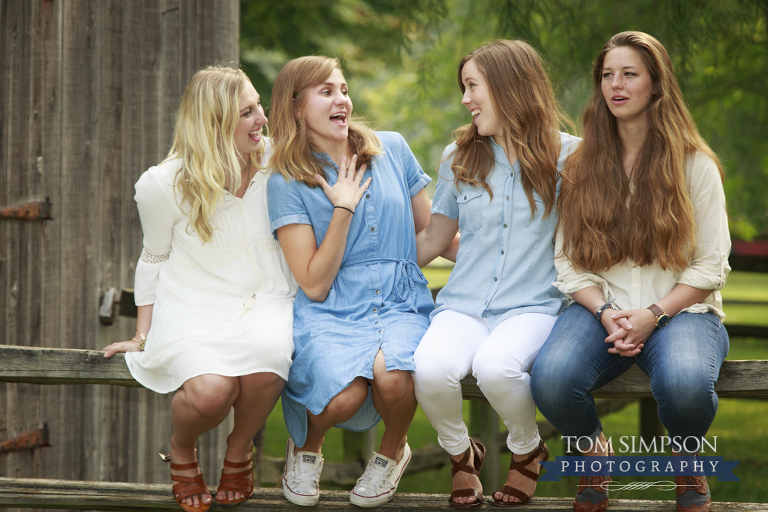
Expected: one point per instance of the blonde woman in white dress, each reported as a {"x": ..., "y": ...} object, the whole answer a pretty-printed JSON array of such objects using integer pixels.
[{"x": 213, "y": 290}]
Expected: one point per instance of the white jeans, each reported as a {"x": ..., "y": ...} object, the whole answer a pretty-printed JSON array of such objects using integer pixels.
[{"x": 500, "y": 360}]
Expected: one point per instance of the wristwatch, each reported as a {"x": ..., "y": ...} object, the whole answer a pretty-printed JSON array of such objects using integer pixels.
[
  {"x": 662, "y": 318},
  {"x": 141, "y": 341}
]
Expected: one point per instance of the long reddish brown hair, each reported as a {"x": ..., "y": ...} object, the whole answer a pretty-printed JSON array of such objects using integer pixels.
[
  {"x": 598, "y": 229},
  {"x": 522, "y": 97}
]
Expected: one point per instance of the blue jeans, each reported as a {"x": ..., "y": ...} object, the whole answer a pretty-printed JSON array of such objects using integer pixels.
[{"x": 682, "y": 359}]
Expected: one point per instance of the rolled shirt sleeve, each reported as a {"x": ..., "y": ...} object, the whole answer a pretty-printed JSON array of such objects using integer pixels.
[{"x": 709, "y": 267}]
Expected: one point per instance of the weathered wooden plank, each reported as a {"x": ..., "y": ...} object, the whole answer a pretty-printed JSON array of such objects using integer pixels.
[
  {"x": 748, "y": 378},
  {"x": 62, "y": 366},
  {"x": 38, "y": 493},
  {"x": 745, "y": 379}
]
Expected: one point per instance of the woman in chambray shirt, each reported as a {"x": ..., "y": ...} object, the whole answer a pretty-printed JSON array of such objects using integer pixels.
[{"x": 497, "y": 184}]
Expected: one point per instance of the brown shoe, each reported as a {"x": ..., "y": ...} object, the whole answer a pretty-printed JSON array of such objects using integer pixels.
[
  {"x": 692, "y": 494},
  {"x": 187, "y": 486},
  {"x": 478, "y": 450},
  {"x": 592, "y": 495},
  {"x": 520, "y": 468},
  {"x": 241, "y": 481}
]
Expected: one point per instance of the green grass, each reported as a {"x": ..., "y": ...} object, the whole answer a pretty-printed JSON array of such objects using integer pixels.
[{"x": 740, "y": 426}]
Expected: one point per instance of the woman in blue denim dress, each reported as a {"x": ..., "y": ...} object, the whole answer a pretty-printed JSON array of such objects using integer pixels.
[
  {"x": 346, "y": 204},
  {"x": 497, "y": 184}
]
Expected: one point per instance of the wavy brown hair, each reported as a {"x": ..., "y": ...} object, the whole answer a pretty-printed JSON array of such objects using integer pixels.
[
  {"x": 598, "y": 229},
  {"x": 292, "y": 156},
  {"x": 522, "y": 97}
]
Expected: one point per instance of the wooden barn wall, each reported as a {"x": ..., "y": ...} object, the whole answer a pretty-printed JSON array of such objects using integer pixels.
[{"x": 88, "y": 92}]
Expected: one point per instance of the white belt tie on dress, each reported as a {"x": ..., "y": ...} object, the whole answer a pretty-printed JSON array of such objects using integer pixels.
[{"x": 248, "y": 304}]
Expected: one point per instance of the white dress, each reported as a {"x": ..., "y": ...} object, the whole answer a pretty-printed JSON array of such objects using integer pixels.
[{"x": 224, "y": 307}]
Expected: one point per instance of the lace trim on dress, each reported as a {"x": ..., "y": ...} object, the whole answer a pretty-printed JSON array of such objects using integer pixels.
[
  {"x": 221, "y": 258},
  {"x": 148, "y": 257}
]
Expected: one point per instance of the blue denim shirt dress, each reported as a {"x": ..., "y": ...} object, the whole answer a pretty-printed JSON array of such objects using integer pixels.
[
  {"x": 379, "y": 299},
  {"x": 505, "y": 264}
]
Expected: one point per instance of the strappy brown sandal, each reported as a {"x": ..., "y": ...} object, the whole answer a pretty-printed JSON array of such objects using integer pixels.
[
  {"x": 479, "y": 452},
  {"x": 187, "y": 486},
  {"x": 241, "y": 481},
  {"x": 520, "y": 468}
]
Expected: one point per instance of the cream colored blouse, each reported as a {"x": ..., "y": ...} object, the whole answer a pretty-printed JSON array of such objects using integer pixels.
[{"x": 630, "y": 286}]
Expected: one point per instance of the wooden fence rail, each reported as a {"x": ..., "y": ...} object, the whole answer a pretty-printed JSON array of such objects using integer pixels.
[
  {"x": 745, "y": 379},
  {"x": 69, "y": 366},
  {"x": 38, "y": 493}
]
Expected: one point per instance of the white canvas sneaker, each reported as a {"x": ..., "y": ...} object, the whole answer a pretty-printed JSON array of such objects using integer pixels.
[
  {"x": 301, "y": 477},
  {"x": 379, "y": 481}
]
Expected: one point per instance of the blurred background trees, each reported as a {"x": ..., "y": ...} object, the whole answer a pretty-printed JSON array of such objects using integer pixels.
[{"x": 401, "y": 57}]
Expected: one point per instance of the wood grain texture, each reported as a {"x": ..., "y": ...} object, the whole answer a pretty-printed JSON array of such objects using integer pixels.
[
  {"x": 89, "y": 93},
  {"x": 745, "y": 378},
  {"x": 121, "y": 496}
]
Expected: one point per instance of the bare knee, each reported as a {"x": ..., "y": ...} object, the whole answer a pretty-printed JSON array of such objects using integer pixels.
[
  {"x": 211, "y": 395},
  {"x": 262, "y": 380},
  {"x": 393, "y": 385},
  {"x": 344, "y": 405}
]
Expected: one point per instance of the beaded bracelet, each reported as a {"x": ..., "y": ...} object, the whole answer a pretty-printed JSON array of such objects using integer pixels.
[{"x": 602, "y": 308}]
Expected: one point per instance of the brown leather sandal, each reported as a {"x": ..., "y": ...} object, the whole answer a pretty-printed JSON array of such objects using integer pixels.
[
  {"x": 479, "y": 452},
  {"x": 520, "y": 468},
  {"x": 187, "y": 486},
  {"x": 241, "y": 481}
]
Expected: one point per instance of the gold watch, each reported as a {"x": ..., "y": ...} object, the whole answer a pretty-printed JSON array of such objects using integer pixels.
[
  {"x": 141, "y": 341},
  {"x": 662, "y": 318}
]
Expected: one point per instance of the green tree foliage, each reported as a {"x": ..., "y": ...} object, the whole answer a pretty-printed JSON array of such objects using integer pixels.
[{"x": 401, "y": 60}]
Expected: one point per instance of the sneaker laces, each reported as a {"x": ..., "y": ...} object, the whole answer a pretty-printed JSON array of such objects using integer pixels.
[
  {"x": 377, "y": 477},
  {"x": 304, "y": 475}
]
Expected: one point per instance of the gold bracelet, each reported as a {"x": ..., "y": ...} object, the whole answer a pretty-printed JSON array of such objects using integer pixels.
[{"x": 141, "y": 341}]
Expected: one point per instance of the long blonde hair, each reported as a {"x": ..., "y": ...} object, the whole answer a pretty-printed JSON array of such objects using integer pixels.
[
  {"x": 522, "y": 97},
  {"x": 598, "y": 229},
  {"x": 293, "y": 147},
  {"x": 204, "y": 141}
]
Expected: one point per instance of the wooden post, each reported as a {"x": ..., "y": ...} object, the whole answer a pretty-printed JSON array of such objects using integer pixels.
[
  {"x": 484, "y": 427},
  {"x": 650, "y": 424},
  {"x": 358, "y": 446}
]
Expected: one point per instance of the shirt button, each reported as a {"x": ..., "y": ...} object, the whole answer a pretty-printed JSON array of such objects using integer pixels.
[
  {"x": 377, "y": 291},
  {"x": 495, "y": 278},
  {"x": 502, "y": 252},
  {"x": 505, "y": 225},
  {"x": 507, "y": 198},
  {"x": 367, "y": 196},
  {"x": 511, "y": 174},
  {"x": 465, "y": 198},
  {"x": 636, "y": 285},
  {"x": 373, "y": 230},
  {"x": 375, "y": 310},
  {"x": 379, "y": 330},
  {"x": 376, "y": 322}
]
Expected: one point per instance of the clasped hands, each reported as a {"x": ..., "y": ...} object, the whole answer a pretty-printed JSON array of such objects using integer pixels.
[{"x": 628, "y": 330}]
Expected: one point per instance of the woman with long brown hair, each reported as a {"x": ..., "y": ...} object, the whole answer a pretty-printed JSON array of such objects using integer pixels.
[
  {"x": 346, "y": 203},
  {"x": 497, "y": 183},
  {"x": 642, "y": 248}
]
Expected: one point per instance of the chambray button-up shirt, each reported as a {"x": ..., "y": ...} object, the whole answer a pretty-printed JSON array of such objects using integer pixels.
[{"x": 505, "y": 264}]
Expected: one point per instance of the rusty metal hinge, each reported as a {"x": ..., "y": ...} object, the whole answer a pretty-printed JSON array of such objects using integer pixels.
[
  {"x": 27, "y": 440},
  {"x": 37, "y": 210}
]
